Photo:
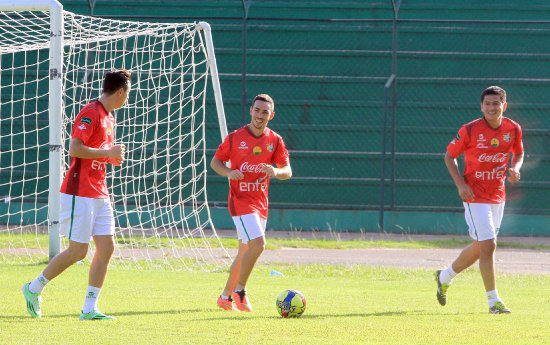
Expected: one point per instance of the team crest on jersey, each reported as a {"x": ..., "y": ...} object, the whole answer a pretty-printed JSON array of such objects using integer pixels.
[
  {"x": 506, "y": 137},
  {"x": 86, "y": 120},
  {"x": 494, "y": 142},
  {"x": 109, "y": 131},
  {"x": 270, "y": 147},
  {"x": 257, "y": 150}
]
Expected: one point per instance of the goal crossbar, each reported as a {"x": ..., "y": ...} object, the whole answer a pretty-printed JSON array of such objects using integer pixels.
[{"x": 56, "y": 110}]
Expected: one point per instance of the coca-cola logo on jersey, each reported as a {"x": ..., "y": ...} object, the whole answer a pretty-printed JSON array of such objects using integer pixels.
[
  {"x": 252, "y": 168},
  {"x": 496, "y": 158}
]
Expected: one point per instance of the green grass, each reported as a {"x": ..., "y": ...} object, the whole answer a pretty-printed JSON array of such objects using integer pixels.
[
  {"x": 41, "y": 241},
  {"x": 345, "y": 305}
]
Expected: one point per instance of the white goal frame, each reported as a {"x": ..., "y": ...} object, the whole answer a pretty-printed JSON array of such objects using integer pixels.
[{"x": 56, "y": 108}]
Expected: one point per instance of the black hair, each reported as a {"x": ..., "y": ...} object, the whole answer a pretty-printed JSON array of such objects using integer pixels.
[
  {"x": 115, "y": 80},
  {"x": 494, "y": 90}
]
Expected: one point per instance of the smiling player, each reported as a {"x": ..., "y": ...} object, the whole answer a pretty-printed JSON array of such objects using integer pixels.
[
  {"x": 252, "y": 150},
  {"x": 486, "y": 143}
]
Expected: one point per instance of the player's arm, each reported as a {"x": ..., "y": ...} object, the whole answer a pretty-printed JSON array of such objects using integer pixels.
[
  {"x": 517, "y": 162},
  {"x": 78, "y": 149},
  {"x": 281, "y": 172},
  {"x": 219, "y": 167},
  {"x": 464, "y": 190}
]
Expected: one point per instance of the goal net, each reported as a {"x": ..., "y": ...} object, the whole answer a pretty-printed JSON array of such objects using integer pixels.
[{"x": 159, "y": 195}]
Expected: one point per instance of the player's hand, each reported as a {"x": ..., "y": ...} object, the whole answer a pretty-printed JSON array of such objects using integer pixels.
[
  {"x": 117, "y": 151},
  {"x": 514, "y": 175},
  {"x": 269, "y": 170},
  {"x": 465, "y": 192},
  {"x": 235, "y": 175}
]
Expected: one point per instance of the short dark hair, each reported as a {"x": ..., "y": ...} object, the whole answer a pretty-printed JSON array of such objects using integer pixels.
[
  {"x": 266, "y": 98},
  {"x": 115, "y": 80},
  {"x": 494, "y": 90}
]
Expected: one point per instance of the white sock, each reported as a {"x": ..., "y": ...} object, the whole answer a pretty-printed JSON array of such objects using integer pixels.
[
  {"x": 493, "y": 297},
  {"x": 92, "y": 295},
  {"x": 224, "y": 297},
  {"x": 447, "y": 275},
  {"x": 38, "y": 284}
]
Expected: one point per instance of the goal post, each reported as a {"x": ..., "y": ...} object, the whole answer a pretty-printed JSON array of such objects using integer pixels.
[
  {"x": 55, "y": 101},
  {"x": 159, "y": 195}
]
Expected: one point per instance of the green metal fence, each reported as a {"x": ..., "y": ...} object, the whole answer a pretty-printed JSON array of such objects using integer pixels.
[{"x": 327, "y": 63}]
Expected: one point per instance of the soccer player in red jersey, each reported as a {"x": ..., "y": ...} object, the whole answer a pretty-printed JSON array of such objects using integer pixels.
[
  {"x": 486, "y": 144},
  {"x": 252, "y": 150},
  {"x": 86, "y": 210}
]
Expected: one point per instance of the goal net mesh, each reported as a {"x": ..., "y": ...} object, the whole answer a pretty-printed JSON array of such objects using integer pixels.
[{"x": 159, "y": 194}]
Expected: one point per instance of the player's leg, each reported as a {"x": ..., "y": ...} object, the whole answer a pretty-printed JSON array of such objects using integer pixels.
[
  {"x": 484, "y": 222},
  {"x": 75, "y": 252},
  {"x": 250, "y": 257},
  {"x": 487, "y": 263},
  {"x": 487, "y": 256},
  {"x": 443, "y": 278},
  {"x": 225, "y": 301},
  {"x": 475, "y": 214},
  {"x": 467, "y": 257},
  {"x": 75, "y": 223},
  {"x": 251, "y": 228},
  {"x": 105, "y": 247},
  {"x": 103, "y": 238}
]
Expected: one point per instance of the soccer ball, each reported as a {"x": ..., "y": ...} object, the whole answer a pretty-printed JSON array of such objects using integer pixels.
[{"x": 291, "y": 303}]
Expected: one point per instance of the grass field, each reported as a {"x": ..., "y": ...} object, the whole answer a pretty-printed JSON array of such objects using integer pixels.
[{"x": 345, "y": 305}]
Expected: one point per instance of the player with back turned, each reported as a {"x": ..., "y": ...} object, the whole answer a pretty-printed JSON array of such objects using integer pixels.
[
  {"x": 486, "y": 144},
  {"x": 252, "y": 150},
  {"x": 86, "y": 210}
]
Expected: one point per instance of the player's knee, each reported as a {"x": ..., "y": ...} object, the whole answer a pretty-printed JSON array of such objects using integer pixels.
[
  {"x": 257, "y": 244},
  {"x": 106, "y": 248},
  {"x": 488, "y": 247},
  {"x": 78, "y": 253}
]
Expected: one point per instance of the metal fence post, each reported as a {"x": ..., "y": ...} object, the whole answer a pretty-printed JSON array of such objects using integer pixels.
[{"x": 244, "y": 111}]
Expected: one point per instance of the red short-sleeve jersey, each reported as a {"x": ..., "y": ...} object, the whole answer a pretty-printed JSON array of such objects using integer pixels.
[
  {"x": 486, "y": 155},
  {"x": 86, "y": 177},
  {"x": 249, "y": 153}
]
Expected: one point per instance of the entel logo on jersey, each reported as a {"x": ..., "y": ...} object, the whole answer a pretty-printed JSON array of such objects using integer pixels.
[
  {"x": 496, "y": 158},
  {"x": 495, "y": 174},
  {"x": 253, "y": 186},
  {"x": 243, "y": 146},
  {"x": 97, "y": 165}
]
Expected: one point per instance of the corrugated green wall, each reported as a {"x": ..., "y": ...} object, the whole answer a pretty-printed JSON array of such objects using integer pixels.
[{"x": 326, "y": 63}]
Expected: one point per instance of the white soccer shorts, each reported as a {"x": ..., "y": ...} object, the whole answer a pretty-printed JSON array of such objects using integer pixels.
[
  {"x": 483, "y": 220},
  {"x": 249, "y": 227},
  {"x": 81, "y": 218}
]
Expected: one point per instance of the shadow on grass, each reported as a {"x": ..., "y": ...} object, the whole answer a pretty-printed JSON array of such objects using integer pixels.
[
  {"x": 116, "y": 314},
  {"x": 234, "y": 315},
  {"x": 245, "y": 316}
]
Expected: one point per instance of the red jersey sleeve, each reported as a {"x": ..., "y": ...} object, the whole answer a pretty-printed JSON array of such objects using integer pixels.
[
  {"x": 460, "y": 143},
  {"x": 85, "y": 124},
  {"x": 280, "y": 156},
  {"x": 518, "y": 143},
  {"x": 224, "y": 150}
]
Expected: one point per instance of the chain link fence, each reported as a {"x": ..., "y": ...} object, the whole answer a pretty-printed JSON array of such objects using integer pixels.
[{"x": 359, "y": 139}]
